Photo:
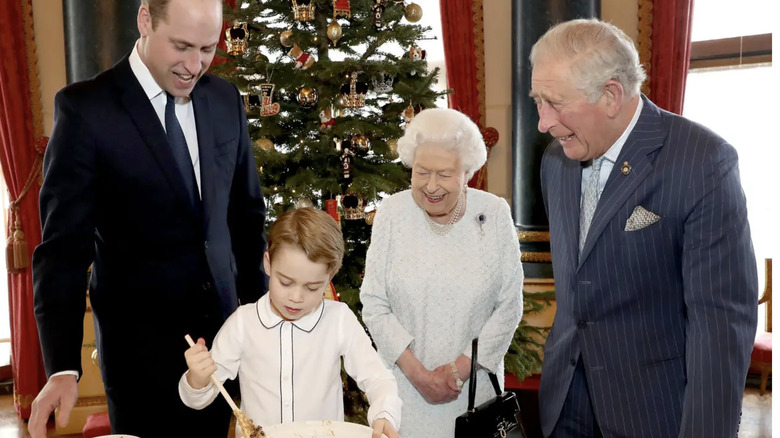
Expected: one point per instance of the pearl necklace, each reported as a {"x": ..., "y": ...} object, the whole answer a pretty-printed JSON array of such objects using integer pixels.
[{"x": 442, "y": 229}]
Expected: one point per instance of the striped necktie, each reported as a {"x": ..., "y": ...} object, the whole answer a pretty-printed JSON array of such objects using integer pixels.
[{"x": 589, "y": 200}]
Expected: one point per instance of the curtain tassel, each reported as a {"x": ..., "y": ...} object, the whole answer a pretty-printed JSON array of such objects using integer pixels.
[{"x": 21, "y": 255}]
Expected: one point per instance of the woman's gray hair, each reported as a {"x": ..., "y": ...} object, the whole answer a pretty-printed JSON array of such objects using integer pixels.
[
  {"x": 449, "y": 128},
  {"x": 597, "y": 51}
]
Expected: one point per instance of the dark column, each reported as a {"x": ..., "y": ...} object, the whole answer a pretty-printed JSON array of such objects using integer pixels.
[
  {"x": 530, "y": 20},
  {"x": 98, "y": 33}
]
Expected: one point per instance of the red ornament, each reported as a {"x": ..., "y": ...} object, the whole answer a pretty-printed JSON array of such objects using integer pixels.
[
  {"x": 332, "y": 208},
  {"x": 490, "y": 136}
]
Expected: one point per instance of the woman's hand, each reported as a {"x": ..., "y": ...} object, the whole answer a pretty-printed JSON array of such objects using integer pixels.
[
  {"x": 201, "y": 365},
  {"x": 382, "y": 426},
  {"x": 434, "y": 386}
]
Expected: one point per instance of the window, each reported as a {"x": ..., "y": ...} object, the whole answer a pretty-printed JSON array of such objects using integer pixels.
[{"x": 731, "y": 89}]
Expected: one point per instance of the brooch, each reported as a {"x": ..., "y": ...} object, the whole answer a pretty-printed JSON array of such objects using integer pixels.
[{"x": 480, "y": 221}]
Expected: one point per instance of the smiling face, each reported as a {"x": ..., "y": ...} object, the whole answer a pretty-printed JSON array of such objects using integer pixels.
[
  {"x": 297, "y": 284},
  {"x": 583, "y": 128},
  {"x": 179, "y": 48},
  {"x": 437, "y": 180}
]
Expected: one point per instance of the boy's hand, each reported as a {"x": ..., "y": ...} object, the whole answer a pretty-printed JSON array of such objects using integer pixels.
[
  {"x": 201, "y": 365},
  {"x": 382, "y": 426}
]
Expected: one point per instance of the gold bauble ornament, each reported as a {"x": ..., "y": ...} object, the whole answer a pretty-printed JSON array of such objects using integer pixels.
[
  {"x": 286, "y": 38},
  {"x": 265, "y": 144},
  {"x": 307, "y": 97},
  {"x": 393, "y": 145},
  {"x": 360, "y": 143},
  {"x": 413, "y": 12},
  {"x": 334, "y": 32}
]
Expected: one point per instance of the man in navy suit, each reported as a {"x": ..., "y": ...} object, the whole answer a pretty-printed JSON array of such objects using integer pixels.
[
  {"x": 655, "y": 276},
  {"x": 149, "y": 177}
]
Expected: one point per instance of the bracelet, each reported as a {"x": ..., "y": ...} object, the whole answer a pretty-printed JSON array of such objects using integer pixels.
[{"x": 455, "y": 374}]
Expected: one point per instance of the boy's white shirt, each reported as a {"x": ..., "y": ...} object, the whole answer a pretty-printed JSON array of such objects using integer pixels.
[{"x": 290, "y": 370}]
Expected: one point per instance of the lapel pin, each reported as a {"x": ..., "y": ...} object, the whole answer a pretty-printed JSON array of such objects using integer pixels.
[{"x": 626, "y": 169}]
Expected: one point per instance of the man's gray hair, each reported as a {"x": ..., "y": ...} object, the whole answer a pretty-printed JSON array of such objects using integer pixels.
[{"x": 597, "y": 52}]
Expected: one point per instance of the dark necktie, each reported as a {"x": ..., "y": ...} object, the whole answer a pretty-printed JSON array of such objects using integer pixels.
[{"x": 180, "y": 151}]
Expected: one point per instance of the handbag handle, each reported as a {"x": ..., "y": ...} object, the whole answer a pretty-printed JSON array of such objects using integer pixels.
[{"x": 473, "y": 377}]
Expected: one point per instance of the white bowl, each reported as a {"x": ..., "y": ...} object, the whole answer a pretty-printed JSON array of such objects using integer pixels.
[{"x": 318, "y": 429}]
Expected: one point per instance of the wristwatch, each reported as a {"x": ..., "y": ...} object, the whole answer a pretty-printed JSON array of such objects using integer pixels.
[{"x": 455, "y": 374}]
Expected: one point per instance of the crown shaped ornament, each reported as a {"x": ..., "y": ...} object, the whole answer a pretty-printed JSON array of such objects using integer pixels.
[
  {"x": 353, "y": 94},
  {"x": 353, "y": 206},
  {"x": 382, "y": 82},
  {"x": 236, "y": 38},
  {"x": 303, "y": 10}
]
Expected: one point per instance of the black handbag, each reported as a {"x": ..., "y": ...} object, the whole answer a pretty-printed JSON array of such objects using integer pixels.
[{"x": 496, "y": 418}]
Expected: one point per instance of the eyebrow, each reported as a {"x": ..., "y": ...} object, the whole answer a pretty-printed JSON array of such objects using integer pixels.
[{"x": 308, "y": 284}]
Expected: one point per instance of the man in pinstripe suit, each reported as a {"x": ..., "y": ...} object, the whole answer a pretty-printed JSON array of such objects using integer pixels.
[{"x": 657, "y": 294}]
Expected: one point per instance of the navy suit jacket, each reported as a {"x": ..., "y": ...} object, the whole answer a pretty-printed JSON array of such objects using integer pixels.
[
  {"x": 112, "y": 197},
  {"x": 664, "y": 317}
]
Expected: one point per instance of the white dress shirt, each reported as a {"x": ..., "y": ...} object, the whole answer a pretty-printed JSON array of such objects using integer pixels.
[
  {"x": 184, "y": 110},
  {"x": 291, "y": 370}
]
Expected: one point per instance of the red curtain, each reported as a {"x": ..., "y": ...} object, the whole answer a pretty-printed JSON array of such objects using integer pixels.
[
  {"x": 464, "y": 55},
  {"x": 21, "y": 168},
  {"x": 665, "y": 42}
]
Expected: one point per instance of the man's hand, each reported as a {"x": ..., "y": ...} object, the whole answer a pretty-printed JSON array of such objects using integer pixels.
[
  {"x": 201, "y": 365},
  {"x": 382, "y": 426},
  {"x": 59, "y": 392}
]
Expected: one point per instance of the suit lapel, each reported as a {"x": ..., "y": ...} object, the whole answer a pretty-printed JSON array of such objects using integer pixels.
[
  {"x": 148, "y": 124},
  {"x": 571, "y": 194},
  {"x": 646, "y": 137},
  {"x": 200, "y": 104}
]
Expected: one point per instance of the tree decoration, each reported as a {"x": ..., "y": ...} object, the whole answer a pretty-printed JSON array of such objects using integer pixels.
[
  {"x": 360, "y": 143},
  {"x": 341, "y": 8},
  {"x": 303, "y": 60},
  {"x": 304, "y": 203},
  {"x": 370, "y": 217},
  {"x": 408, "y": 115},
  {"x": 413, "y": 12},
  {"x": 307, "y": 97},
  {"x": 332, "y": 208},
  {"x": 267, "y": 106},
  {"x": 334, "y": 31},
  {"x": 303, "y": 10},
  {"x": 353, "y": 206},
  {"x": 326, "y": 118},
  {"x": 382, "y": 82},
  {"x": 353, "y": 94},
  {"x": 285, "y": 38},
  {"x": 392, "y": 144},
  {"x": 346, "y": 162},
  {"x": 236, "y": 38},
  {"x": 378, "y": 9},
  {"x": 265, "y": 144}
]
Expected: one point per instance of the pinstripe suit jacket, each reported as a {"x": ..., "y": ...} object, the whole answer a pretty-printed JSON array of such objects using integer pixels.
[{"x": 664, "y": 317}]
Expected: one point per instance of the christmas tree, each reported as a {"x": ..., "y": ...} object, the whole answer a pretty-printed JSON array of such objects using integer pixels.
[{"x": 329, "y": 86}]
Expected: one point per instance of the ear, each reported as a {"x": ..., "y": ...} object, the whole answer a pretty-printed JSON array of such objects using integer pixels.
[
  {"x": 144, "y": 20},
  {"x": 613, "y": 93},
  {"x": 267, "y": 263}
]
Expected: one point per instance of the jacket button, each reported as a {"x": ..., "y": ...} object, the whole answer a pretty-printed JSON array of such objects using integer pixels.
[
  {"x": 206, "y": 244},
  {"x": 206, "y": 286},
  {"x": 582, "y": 324},
  {"x": 572, "y": 362}
]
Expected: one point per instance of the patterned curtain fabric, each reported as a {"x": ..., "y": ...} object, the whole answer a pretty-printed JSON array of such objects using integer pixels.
[
  {"x": 21, "y": 151},
  {"x": 665, "y": 48},
  {"x": 464, "y": 55}
]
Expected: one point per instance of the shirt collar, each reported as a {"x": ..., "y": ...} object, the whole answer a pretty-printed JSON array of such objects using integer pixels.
[
  {"x": 270, "y": 319},
  {"x": 614, "y": 150},
  {"x": 142, "y": 73}
]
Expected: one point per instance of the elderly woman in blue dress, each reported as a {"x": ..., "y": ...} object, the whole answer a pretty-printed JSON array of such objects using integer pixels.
[{"x": 443, "y": 268}]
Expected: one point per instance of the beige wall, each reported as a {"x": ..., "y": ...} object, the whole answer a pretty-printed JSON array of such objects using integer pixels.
[
  {"x": 50, "y": 46},
  {"x": 498, "y": 78}
]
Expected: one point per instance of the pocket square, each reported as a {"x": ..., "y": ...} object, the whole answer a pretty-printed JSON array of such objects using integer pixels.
[{"x": 641, "y": 218}]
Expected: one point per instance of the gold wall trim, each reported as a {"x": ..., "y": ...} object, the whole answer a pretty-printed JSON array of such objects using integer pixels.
[
  {"x": 644, "y": 43},
  {"x": 91, "y": 401},
  {"x": 533, "y": 236},
  {"x": 479, "y": 43},
  {"x": 535, "y": 257},
  {"x": 36, "y": 106}
]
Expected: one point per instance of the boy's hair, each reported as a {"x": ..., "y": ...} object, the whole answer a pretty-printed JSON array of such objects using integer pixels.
[{"x": 312, "y": 231}]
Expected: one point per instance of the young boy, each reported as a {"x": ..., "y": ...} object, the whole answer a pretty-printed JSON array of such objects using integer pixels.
[{"x": 286, "y": 347}]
